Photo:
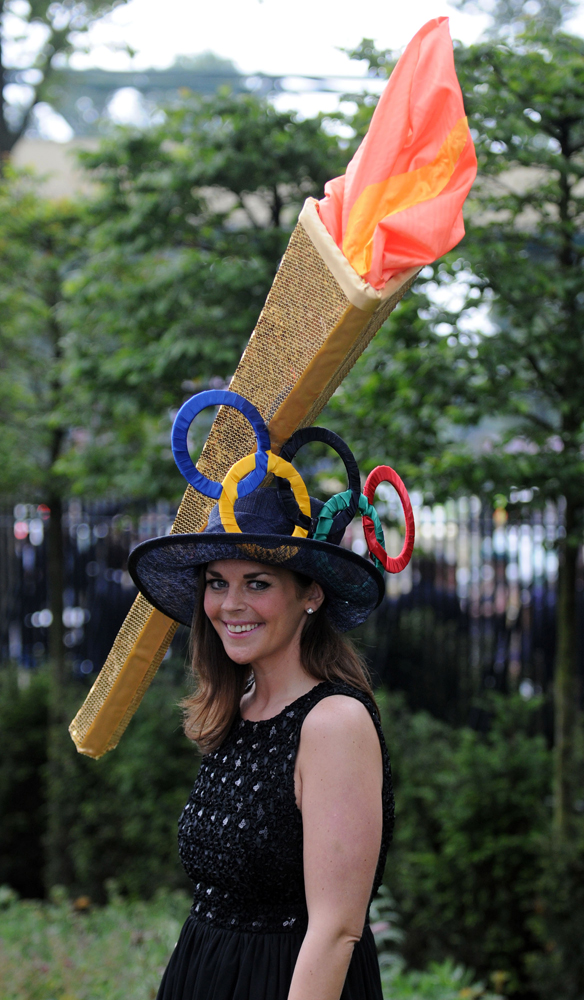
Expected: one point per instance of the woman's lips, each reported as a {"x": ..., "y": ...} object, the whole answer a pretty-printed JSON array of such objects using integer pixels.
[{"x": 241, "y": 628}]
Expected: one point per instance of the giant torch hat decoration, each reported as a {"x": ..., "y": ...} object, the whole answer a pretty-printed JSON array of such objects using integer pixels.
[{"x": 350, "y": 259}]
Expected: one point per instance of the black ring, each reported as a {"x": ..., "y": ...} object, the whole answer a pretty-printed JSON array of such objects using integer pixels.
[{"x": 293, "y": 445}]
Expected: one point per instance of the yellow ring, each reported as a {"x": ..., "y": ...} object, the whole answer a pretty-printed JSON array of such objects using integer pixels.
[{"x": 276, "y": 465}]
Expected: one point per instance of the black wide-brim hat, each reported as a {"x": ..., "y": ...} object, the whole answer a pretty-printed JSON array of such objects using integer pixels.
[{"x": 166, "y": 569}]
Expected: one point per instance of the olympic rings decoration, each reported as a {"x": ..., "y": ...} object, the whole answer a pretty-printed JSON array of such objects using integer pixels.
[
  {"x": 183, "y": 420},
  {"x": 385, "y": 474},
  {"x": 247, "y": 474},
  {"x": 275, "y": 464},
  {"x": 344, "y": 513}
]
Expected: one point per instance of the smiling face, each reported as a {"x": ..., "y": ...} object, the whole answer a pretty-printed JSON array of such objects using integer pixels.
[{"x": 257, "y": 610}]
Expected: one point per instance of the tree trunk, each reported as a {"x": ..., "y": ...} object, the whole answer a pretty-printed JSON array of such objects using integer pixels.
[
  {"x": 7, "y": 138},
  {"x": 58, "y": 869},
  {"x": 566, "y": 693}
]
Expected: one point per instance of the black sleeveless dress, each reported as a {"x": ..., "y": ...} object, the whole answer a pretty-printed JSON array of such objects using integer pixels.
[{"x": 240, "y": 841}]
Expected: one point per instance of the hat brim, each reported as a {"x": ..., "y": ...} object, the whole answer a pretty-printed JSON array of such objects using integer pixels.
[{"x": 164, "y": 570}]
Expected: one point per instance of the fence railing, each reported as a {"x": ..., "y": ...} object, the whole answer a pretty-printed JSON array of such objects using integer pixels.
[
  {"x": 97, "y": 540},
  {"x": 474, "y": 610}
]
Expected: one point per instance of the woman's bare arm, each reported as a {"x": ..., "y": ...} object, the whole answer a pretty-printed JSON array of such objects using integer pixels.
[{"x": 340, "y": 781}]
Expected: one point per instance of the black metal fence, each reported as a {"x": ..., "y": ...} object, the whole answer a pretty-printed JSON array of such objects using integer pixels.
[
  {"x": 97, "y": 539},
  {"x": 475, "y": 609}
]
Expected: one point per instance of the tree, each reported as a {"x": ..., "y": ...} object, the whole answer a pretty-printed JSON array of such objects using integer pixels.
[
  {"x": 530, "y": 260},
  {"x": 186, "y": 236},
  {"x": 33, "y": 68},
  {"x": 511, "y": 17},
  {"x": 492, "y": 338},
  {"x": 39, "y": 242}
]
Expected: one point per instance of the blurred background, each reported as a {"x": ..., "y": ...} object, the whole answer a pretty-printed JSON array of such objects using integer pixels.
[{"x": 152, "y": 169}]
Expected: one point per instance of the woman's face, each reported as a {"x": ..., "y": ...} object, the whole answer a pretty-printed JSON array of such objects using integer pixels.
[{"x": 256, "y": 609}]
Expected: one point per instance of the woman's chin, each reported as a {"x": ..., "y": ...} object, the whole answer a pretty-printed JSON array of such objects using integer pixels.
[
  {"x": 241, "y": 652},
  {"x": 239, "y": 655}
]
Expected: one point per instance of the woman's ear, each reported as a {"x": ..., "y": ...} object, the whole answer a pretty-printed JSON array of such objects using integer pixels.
[{"x": 314, "y": 596}]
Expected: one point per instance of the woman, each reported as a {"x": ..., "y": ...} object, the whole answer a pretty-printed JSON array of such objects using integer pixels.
[{"x": 286, "y": 830}]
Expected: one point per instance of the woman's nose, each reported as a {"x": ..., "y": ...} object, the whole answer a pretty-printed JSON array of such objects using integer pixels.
[{"x": 233, "y": 599}]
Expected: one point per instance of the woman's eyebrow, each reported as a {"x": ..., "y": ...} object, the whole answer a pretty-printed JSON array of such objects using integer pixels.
[{"x": 246, "y": 576}]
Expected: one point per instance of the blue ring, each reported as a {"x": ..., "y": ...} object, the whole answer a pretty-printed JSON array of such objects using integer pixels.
[{"x": 180, "y": 451}]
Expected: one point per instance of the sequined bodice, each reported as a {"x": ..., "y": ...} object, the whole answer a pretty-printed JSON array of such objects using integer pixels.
[{"x": 240, "y": 833}]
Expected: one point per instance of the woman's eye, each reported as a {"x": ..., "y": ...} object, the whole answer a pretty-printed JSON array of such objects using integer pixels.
[
  {"x": 259, "y": 585},
  {"x": 217, "y": 584}
]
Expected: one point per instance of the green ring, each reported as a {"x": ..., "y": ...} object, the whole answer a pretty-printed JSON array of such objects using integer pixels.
[
  {"x": 339, "y": 502},
  {"x": 368, "y": 510}
]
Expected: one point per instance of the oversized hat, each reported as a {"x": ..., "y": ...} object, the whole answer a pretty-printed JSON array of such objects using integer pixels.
[
  {"x": 165, "y": 569},
  {"x": 349, "y": 261},
  {"x": 279, "y": 526}
]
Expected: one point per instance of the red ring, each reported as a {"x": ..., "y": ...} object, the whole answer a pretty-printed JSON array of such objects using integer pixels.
[{"x": 385, "y": 474}]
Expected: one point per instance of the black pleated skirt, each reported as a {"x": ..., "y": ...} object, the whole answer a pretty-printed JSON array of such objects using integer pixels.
[{"x": 209, "y": 963}]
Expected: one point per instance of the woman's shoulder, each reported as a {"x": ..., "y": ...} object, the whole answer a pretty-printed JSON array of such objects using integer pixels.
[
  {"x": 340, "y": 696},
  {"x": 340, "y": 747},
  {"x": 343, "y": 713}
]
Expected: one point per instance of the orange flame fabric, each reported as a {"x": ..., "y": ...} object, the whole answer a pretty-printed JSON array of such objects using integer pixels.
[{"x": 400, "y": 202}]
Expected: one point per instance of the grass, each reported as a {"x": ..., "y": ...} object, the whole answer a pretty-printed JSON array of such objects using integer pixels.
[
  {"x": 53, "y": 951},
  {"x": 73, "y": 951}
]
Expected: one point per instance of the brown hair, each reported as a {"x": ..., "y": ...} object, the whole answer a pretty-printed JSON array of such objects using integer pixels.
[{"x": 220, "y": 682}]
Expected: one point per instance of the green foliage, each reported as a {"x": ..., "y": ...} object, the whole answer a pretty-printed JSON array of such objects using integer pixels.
[
  {"x": 513, "y": 16},
  {"x": 469, "y": 845},
  {"x": 121, "y": 811},
  {"x": 118, "y": 952},
  {"x": 441, "y": 981},
  {"x": 402, "y": 398},
  {"x": 23, "y": 737},
  {"x": 40, "y": 242},
  {"x": 385, "y": 923},
  {"x": 127, "y": 804},
  {"x": 526, "y": 109},
  {"x": 186, "y": 234},
  {"x": 558, "y": 968}
]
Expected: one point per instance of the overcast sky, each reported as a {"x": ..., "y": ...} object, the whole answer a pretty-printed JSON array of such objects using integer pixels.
[
  {"x": 273, "y": 36},
  {"x": 279, "y": 37}
]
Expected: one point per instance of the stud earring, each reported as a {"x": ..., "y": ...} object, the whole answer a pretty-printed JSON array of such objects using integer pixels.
[{"x": 309, "y": 611}]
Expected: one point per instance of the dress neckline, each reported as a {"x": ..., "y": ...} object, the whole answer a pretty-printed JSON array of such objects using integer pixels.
[{"x": 260, "y": 722}]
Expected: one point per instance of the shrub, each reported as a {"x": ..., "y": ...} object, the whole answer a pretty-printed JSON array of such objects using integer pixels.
[
  {"x": 441, "y": 981},
  {"x": 23, "y": 738},
  {"x": 129, "y": 801},
  {"x": 123, "y": 808},
  {"x": 557, "y": 969},
  {"x": 469, "y": 845}
]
